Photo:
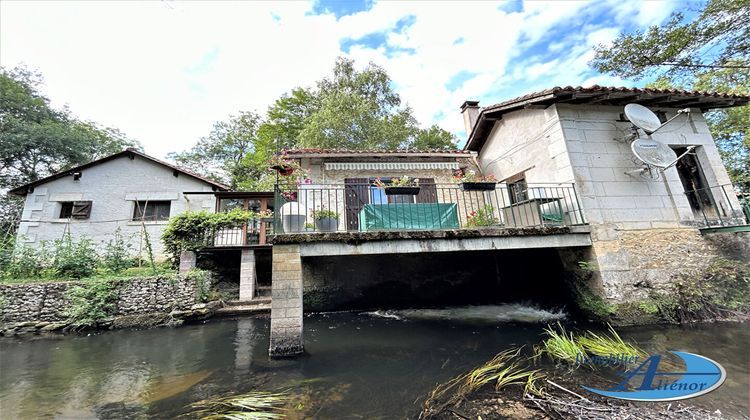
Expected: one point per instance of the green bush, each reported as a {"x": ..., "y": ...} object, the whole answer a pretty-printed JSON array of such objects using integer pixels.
[
  {"x": 117, "y": 253},
  {"x": 24, "y": 262},
  {"x": 74, "y": 260},
  {"x": 92, "y": 301}
]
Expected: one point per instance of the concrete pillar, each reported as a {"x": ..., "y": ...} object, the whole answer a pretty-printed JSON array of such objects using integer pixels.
[
  {"x": 187, "y": 261},
  {"x": 286, "y": 304},
  {"x": 247, "y": 274}
]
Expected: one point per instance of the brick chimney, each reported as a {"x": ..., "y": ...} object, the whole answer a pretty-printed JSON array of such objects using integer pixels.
[{"x": 470, "y": 111}]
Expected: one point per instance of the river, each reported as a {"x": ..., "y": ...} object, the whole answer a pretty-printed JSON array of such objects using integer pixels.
[{"x": 358, "y": 365}]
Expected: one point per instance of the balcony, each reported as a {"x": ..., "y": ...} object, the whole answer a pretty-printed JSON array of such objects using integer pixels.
[
  {"x": 363, "y": 207},
  {"x": 719, "y": 208}
]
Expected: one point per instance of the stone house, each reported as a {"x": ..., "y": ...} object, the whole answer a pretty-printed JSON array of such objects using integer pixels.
[
  {"x": 128, "y": 190},
  {"x": 647, "y": 225}
]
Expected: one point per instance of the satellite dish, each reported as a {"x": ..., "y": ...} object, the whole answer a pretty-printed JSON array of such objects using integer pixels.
[
  {"x": 642, "y": 118},
  {"x": 653, "y": 153}
]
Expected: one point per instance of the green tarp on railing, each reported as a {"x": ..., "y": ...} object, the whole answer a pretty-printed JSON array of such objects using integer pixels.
[{"x": 404, "y": 216}]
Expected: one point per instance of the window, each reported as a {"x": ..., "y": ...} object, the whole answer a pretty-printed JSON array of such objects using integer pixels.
[
  {"x": 75, "y": 209},
  {"x": 151, "y": 210},
  {"x": 517, "y": 188},
  {"x": 378, "y": 196}
]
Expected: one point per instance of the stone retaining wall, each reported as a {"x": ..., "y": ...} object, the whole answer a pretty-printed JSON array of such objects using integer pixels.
[
  {"x": 47, "y": 301},
  {"x": 633, "y": 263}
]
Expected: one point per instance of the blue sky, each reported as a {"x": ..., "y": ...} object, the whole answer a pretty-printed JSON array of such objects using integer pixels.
[{"x": 163, "y": 72}]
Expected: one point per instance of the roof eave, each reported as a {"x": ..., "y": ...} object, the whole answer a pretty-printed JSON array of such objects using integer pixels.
[{"x": 379, "y": 155}]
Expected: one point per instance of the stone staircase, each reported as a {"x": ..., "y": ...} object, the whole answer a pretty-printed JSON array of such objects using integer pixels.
[{"x": 259, "y": 305}]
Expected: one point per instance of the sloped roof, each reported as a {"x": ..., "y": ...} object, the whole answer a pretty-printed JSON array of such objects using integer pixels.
[
  {"x": 601, "y": 95},
  {"x": 300, "y": 153},
  {"x": 129, "y": 152}
]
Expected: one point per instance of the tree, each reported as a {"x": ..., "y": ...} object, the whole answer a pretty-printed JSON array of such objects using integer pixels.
[
  {"x": 433, "y": 138},
  {"x": 37, "y": 140},
  {"x": 710, "y": 52},
  {"x": 351, "y": 109},
  {"x": 222, "y": 155}
]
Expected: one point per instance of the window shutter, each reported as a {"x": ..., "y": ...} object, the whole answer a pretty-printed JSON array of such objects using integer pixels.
[
  {"x": 357, "y": 192},
  {"x": 427, "y": 191},
  {"x": 81, "y": 210}
]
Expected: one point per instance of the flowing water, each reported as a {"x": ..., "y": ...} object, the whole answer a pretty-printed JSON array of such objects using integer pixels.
[{"x": 358, "y": 365}]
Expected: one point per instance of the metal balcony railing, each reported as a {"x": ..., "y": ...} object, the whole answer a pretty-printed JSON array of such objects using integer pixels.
[
  {"x": 252, "y": 233},
  {"x": 364, "y": 207},
  {"x": 719, "y": 206}
]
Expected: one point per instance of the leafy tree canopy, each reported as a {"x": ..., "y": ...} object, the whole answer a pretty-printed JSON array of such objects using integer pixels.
[
  {"x": 710, "y": 52},
  {"x": 350, "y": 109},
  {"x": 221, "y": 155}
]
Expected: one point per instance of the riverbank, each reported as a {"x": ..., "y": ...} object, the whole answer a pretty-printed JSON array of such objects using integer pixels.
[{"x": 559, "y": 401}]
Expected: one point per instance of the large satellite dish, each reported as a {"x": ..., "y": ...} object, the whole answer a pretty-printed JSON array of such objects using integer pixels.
[
  {"x": 653, "y": 153},
  {"x": 642, "y": 118}
]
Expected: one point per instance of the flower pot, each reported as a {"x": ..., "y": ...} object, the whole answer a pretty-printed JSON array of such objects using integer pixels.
[
  {"x": 401, "y": 190},
  {"x": 293, "y": 222},
  {"x": 478, "y": 186},
  {"x": 327, "y": 224}
]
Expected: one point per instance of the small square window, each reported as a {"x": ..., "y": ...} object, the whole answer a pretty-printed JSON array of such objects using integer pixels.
[
  {"x": 151, "y": 211},
  {"x": 75, "y": 209}
]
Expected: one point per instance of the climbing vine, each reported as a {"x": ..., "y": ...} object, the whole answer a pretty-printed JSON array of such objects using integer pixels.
[{"x": 188, "y": 231}]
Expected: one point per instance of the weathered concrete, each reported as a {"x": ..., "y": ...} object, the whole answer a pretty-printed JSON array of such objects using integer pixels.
[
  {"x": 635, "y": 263},
  {"x": 387, "y": 235},
  {"x": 441, "y": 241},
  {"x": 247, "y": 275},
  {"x": 286, "y": 306},
  {"x": 187, "y": 261}
]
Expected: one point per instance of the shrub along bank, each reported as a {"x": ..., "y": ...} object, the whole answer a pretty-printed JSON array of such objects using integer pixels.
[{"x": 68, "y": 259}]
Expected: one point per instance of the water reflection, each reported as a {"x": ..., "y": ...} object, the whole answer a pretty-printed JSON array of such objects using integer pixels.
[{"x": 358, "y": 365}]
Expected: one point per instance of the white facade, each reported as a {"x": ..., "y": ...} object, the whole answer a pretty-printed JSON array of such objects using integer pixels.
[
  {"x": 113, "y": 187},
  {"x": 583, "y": 144}
]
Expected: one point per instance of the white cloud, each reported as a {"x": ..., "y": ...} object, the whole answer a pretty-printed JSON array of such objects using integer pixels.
[{"x": 163, "y": 72}]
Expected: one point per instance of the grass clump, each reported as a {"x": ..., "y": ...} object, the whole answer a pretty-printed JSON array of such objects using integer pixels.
[
  {"x": 505, "y": 369},
  {"x": 560, "y": 345},
  {"x": 568, "y": 347},
  {"x": 256, "y": 405},
  {"x": 605, "y": 345}
]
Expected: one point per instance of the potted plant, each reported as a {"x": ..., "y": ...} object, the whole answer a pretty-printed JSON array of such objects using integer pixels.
[
  {"x": 399, "y": 186},
  {"x": 326, "y": 220},
  {"x": 471, "y": 181},
  {"x": 309, "y": 227},
  {"x": 284, "y": 165},
  {"x": 484, "y": 217}
]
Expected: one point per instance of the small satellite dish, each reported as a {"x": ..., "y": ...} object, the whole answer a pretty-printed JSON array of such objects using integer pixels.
[
  {"x": 642, "y": 118},
  {"x": 653, "y": 153}
]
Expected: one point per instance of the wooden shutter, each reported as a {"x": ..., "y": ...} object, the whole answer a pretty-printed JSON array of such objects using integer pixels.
[
  {"x": 357, "y": 192},
  {"x": 81, "y": 210},
  {"x": 427, "y": 191}
]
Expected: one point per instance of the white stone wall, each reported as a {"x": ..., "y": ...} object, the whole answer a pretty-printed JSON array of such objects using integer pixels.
[
  {"x": 532, "y": 141},
  {"x": 578, "y": 143},
  {"x": 621, "y": 201},
  {"x": 113, "y": 187}
]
